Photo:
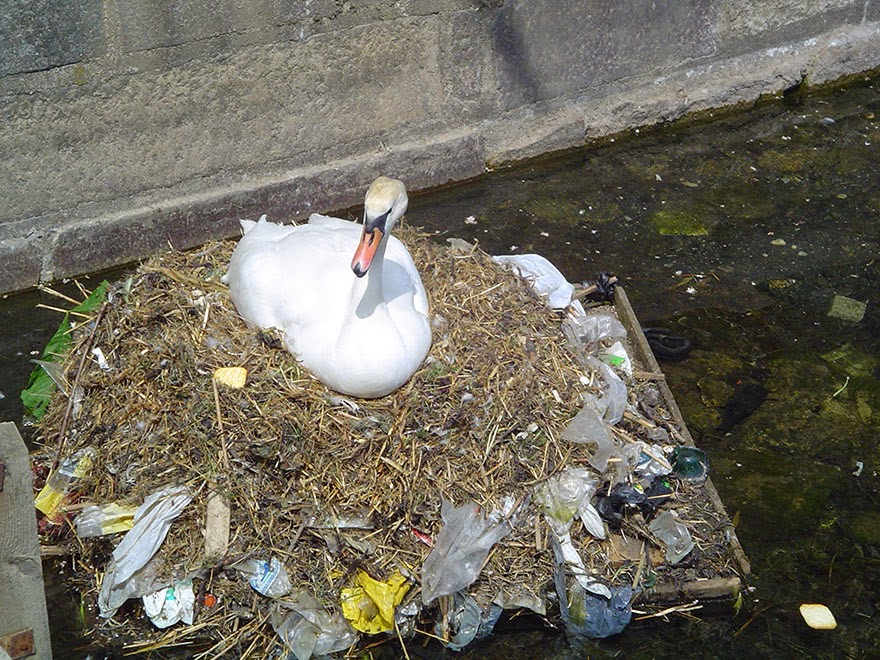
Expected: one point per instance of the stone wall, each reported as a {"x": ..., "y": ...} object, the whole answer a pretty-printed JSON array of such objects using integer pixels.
[{"x": 129, "y": 125}]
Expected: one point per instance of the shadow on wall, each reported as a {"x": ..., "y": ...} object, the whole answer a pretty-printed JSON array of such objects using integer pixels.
[{"x": 551, "y": 48}]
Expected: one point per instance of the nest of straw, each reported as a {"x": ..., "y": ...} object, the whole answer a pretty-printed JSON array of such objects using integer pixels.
[{"x": 480, "y": 421}]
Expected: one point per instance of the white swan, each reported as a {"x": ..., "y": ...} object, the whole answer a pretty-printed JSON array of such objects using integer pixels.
[{"x": 360, "y": 324}]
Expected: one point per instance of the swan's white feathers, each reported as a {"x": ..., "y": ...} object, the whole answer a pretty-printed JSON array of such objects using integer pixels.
[{"x": 360, "y": 336}]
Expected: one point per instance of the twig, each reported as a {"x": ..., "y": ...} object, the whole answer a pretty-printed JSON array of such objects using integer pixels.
[
  {"x": 675, "y": 609},
  {"x": 71, "y": 397},
  {"x": 224, "y": 456}
]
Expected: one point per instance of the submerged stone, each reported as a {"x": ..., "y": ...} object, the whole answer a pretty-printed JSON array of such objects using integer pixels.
[
  {"x": 847, "y": 309},
  {"x": 672, "y": 222},
  {"x": 865, "y": 527}
]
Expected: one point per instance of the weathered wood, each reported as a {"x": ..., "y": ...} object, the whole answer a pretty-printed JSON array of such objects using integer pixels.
[
  {"x": 23, "y": 615},
  {"x": 696, "y": 589}
]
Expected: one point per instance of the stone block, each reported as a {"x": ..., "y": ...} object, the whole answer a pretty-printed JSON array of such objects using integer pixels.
[
  {"x": 745, "y": 26},
  {"x": 557, "y": 48},
  {"x": 40, "y": 34},
  {"x": 166, "y": 23},
  {"x": 21, "y": 262}
]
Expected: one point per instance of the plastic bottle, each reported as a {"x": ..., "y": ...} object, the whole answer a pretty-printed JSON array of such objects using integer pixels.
[
  {"x": 266, "y": 577},
  {"x": 104, "y": 519},
  {"x": 690, "y": 464},
  {"x": 54, "y": 494}
]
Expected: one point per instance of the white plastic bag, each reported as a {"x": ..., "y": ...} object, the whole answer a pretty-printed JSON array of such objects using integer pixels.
[
  {"x": 542, "y": 275},
  {"x": 169, "y": 605},
  {"x": 152, "y": 520}
]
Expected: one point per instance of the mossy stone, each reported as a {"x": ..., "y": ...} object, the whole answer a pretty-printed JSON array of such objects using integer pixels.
[{"x": 677, "y": 222}]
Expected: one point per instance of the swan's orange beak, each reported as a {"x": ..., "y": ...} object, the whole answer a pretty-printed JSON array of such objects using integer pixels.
[{"x": 366, "y": 250}]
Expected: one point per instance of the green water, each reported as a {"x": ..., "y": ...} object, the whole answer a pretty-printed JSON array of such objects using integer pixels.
[{"x": 736, "y": 231}]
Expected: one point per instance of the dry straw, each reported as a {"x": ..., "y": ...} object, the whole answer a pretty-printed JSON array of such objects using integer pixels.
[{"x": 296, "y": 463}]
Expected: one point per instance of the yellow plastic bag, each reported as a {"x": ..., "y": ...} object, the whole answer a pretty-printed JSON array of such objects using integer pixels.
[{"x": 369, "y": 605}]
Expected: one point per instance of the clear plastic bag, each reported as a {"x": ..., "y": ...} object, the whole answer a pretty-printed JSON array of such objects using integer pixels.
[
  {"x": 461, "y": 548},
  {"x": 309, "y": 629},
  {"x": 668, "y": 528}
]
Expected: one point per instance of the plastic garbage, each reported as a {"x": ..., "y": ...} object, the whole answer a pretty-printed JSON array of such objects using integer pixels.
[
  {"x": 169, "y": 605},
  {"x": 623, "y": 498},
  {"x": 308, "y": 629},
  {"x": 460, "y": 549},
  {"x": 126, "y": 575},
  {"x": 562, "y": 498},
  {"x": 55, "y": 493},
  {"x": 588, "y": 330},
  {"x": 466, "y": 622},
  {"x": 104, "y": 519},
  {"x": 617, "y": 357},
  {"x": 369, "y": 604},
  {"x": 668, "y": 528},
  {"x": 690, "y": 464},
  {"x": 589, "y": 426},
  {"x": 613, "y": 400},
  {"x": 597, "y": 617},
  {"x": 267, "y": 577},
  {"x": 543, "y": 276},
  {"x": 626, "y": 498},
  {"x": 652, "y": 461},
  {"x": 568, "y": 495},
  {"x": 405, "y": 618}
]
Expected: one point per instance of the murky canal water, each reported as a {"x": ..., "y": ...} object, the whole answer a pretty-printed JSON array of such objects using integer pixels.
[{"x": 755, "y": 234}]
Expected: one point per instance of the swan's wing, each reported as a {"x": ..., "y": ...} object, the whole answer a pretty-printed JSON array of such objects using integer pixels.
[
  {"x": 334, "y": 223},
  {"x": 402, "y": 277}
]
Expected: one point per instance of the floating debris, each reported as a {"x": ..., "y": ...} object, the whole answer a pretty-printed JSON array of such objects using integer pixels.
[{"x": 818, "y": 616}]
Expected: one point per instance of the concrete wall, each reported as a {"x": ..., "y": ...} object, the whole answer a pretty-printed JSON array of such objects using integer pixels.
[{"x": 127, "y": 125}]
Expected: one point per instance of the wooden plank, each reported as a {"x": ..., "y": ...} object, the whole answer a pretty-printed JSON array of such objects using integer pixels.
[
  {"x": 19, "y": 644},
  {"x": 24, "y": 624},
  {"x": 643, "y": 354}
]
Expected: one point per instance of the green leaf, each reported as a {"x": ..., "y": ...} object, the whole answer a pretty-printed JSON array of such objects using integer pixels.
[{"x": 40, "y": 388}]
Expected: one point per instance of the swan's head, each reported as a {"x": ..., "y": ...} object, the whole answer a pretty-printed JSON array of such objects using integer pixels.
[{"x": 384, "y": 203}]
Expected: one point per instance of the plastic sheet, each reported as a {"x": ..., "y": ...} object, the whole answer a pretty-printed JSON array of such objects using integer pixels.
[
  {"x": 267, "y": 577},
  {"x": 562, "y": 498},
  {"x": 588, "y": 330},
  {"x": 568, "y": 495},
  {"x": 617, "y": 357},
  {"x": 461, "y": 548},
  {"x": 53, "y": 496},
  {"x": 127, "y": 576},
  {"x": 613, "y": 401},
  {"x": 308, "y": 629},
  {"x": 598, "y": 617},
  {"x": 104, "y": 519},
  {"x": 589, "y": 426},
  {"x": 169, "y": 605},
  {"x": 369, "y": 605},
  {"x": 466, "y": 622},
  {"x": 542, "y": 275},
  {"x": 667, "y": 528}
]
